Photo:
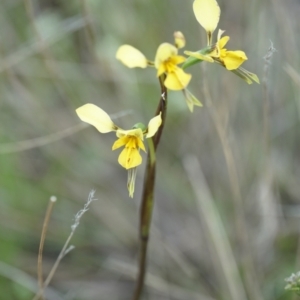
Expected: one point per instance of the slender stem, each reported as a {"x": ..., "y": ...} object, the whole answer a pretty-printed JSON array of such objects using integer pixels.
[
  {"x": 147, "y": 196},
  {"x": 66, "y": 248},
  {"x": 266, "y": 103},
  {"x": 41, "y": 247}
]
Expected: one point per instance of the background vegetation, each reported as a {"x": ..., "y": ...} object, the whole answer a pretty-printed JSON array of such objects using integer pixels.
[{"x": 57, "y": 55}]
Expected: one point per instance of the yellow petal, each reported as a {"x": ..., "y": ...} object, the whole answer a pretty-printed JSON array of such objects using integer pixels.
[
  {"x": 170, "y": 66},
  {"x": 199, "y": 56},
  {"x": 179, "y": 39},
  {"x": 234, "y": 59},
  {"x": 131, "y": 57},
  {"x": 120, "y": 142},
  {"x": 207, "y": 13},
  {"x": 163, "y": 53},
  {"x": 97, "y": 117},
  {"x": 161, "y": 70},
  {"x": 137, "y": 132},
  {"x": 141, "y": 145},
  {"x": 178, "y": 59},
  {"x": 130, "y": 158},
  {"x": 177, "y": 80},
  {"x": 153, "y": 125},
  {"x": 223, "y": 41}
]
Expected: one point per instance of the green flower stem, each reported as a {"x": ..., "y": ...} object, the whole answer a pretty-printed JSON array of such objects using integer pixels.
[
  {"x": 148, "y": 191},
  {"x": 190, "y": 62}
]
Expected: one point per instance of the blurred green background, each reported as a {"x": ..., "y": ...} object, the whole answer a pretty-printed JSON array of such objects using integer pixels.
[{"x": 207, "y": 241}]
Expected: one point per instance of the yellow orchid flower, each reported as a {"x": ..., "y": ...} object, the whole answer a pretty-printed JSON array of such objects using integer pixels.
[
  {"x": 230, "y": 59},
  {"x": 131, "y": 139},
  {"x": 166, "y": 61},
  {"x": 207, "y": 13}
]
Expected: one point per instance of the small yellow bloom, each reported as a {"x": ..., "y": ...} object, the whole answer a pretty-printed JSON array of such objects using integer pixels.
[
  {"x": 166, "y": 61},
  {"x": 230, "y": 59},
  {"x": 207, "y": 13},
  {"x": 131, "y": 139}
]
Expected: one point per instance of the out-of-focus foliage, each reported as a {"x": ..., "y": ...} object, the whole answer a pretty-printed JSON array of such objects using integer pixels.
[{"x": 63, "y": 56}]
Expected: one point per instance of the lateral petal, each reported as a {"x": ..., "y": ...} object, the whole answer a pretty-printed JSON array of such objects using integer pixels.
[
  {"x": 207, "y": 13},
  {"x": 131, "y": 57},
  {"x": 97, "y": 117},
  {"x": 153, "y": 125}
]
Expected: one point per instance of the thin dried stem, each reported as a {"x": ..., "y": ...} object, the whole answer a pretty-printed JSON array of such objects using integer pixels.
[
  {"x": 66, "y": 248},
  {"x": 147, "y": 196},
  {"x": 52, "y": 201},
  {"x": 266, "y": 100}
]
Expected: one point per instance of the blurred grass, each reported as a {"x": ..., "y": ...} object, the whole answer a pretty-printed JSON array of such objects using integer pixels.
[{"x": 39, "y": 96}]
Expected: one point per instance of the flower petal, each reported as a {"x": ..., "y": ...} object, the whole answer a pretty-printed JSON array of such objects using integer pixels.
[
  {"x": 234, "y": 59},
  {"x": 177, "y": 80},
  {"x": 130, "y": 158},
  {"x": 153, "y": 125},
  {"x": 163, "y": 53},
  {"x": 141, "y": 145},
  {"x": 207, "y": 13},
  {"x": 199, "y": 56},
  {"x": 120, "y": 142},
  {"x": 131, "y": 57},
  {"x": 97, "y": 117},
  {"x": 131, "y": 132},
  {"x": 161, "y": 70},
  {"x": 178, "y": 59},
  {"x": 223, "y": 41}
]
